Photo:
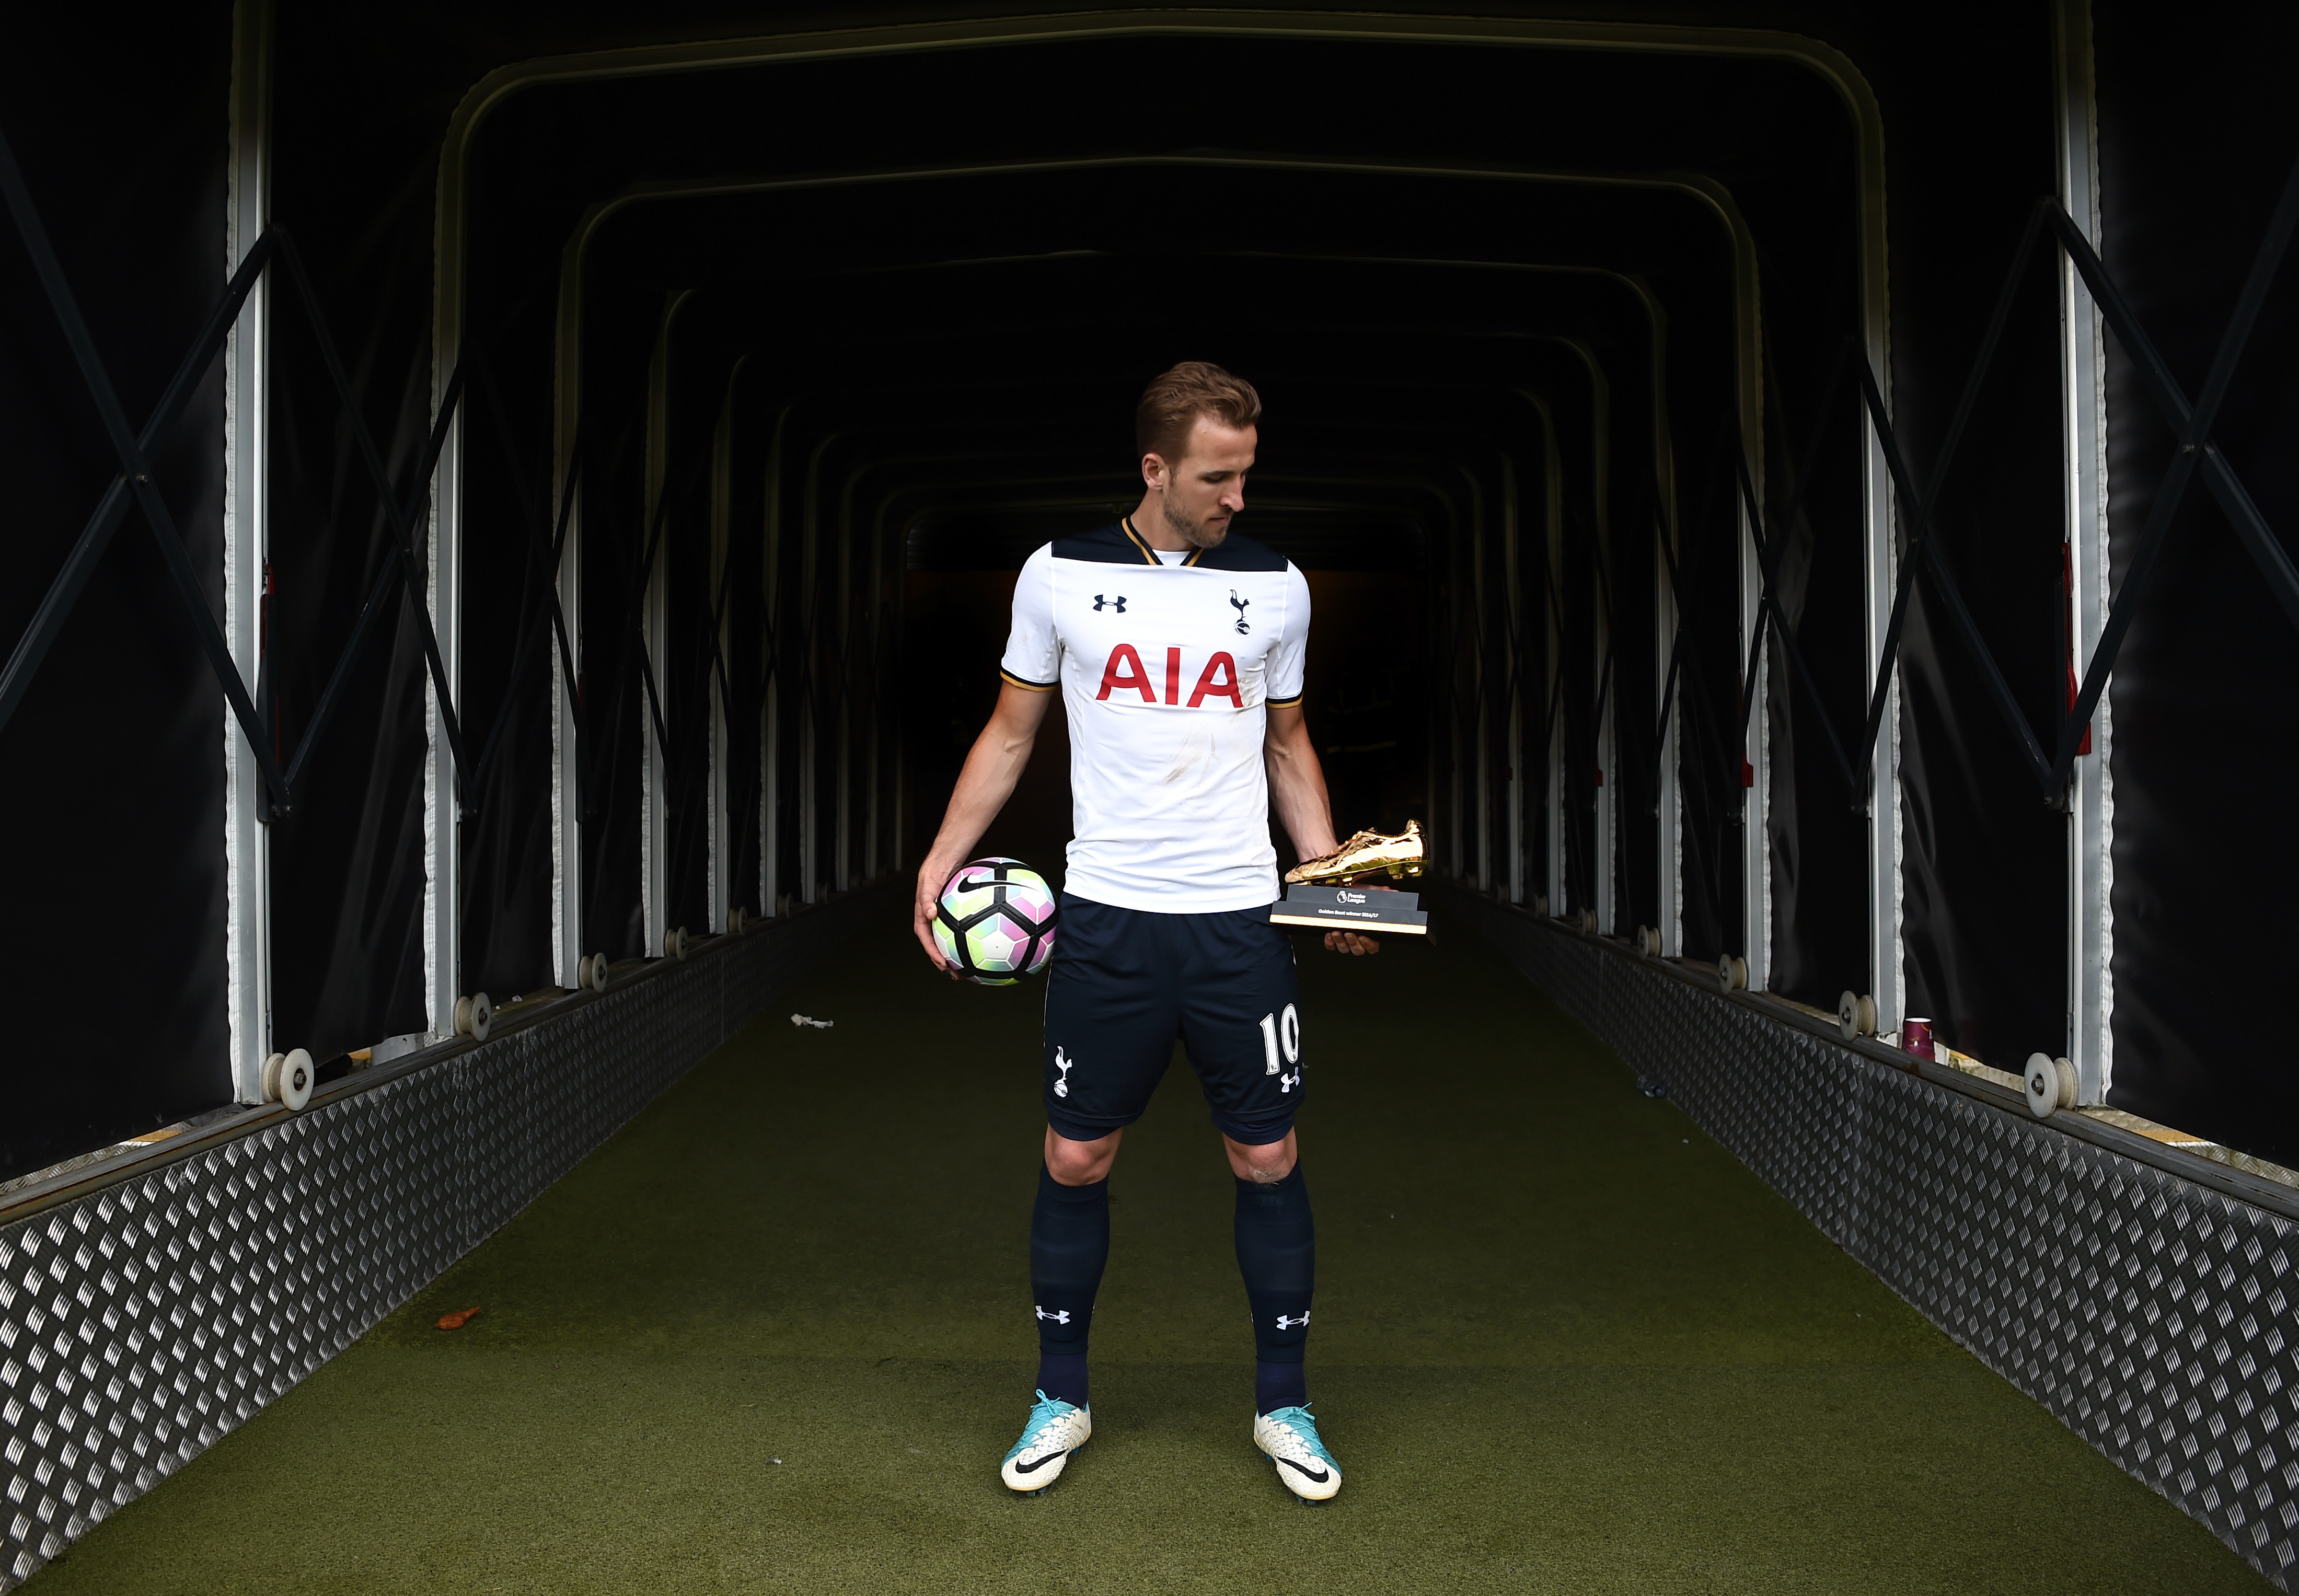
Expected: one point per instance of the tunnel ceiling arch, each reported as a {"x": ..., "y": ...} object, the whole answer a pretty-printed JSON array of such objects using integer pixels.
[
  {"x": 823, "y": 319},
  {"x": 730, "y": 232}
]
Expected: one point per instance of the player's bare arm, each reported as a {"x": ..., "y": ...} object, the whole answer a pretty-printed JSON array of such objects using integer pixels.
[
  {"x": 992, "y": 767},
  {"x": 1297, "y": 791}
]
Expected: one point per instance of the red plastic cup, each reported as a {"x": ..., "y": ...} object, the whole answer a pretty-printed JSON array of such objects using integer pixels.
[{"x": 1916, "y": 1037}]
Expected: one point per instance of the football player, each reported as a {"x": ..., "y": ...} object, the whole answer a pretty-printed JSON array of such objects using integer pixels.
[{"x": 1177, "y": 647}]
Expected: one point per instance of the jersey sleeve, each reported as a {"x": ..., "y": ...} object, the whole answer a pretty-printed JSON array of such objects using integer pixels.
[
  {"x": 1033, "y": 649},
  {"x": 1283, "y": 678}
]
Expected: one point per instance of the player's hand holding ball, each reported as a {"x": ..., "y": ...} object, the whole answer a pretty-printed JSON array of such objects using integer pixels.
[
  {"x": 991, "y": 923},
  {"x": 933, "y": 875}
]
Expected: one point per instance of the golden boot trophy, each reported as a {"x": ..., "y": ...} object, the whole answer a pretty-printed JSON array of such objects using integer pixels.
[
  {"x": 1321, "y": 892},
  {"x": 1400, "y": 856}
]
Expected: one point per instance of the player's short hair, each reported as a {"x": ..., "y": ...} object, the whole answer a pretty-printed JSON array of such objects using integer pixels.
[{"x": 1172, "y": 403}]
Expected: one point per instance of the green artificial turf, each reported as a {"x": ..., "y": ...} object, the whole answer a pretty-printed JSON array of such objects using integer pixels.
[{"x": 775, "y": 1336}]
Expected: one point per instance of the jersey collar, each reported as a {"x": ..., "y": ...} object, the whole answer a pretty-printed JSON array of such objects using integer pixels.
[{"x": 1125, "y": 525}]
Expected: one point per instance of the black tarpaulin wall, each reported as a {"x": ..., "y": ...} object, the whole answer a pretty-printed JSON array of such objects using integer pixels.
[
  {"x": 112, "y": 805},
  {"x": 946, "y": 363},
  {"x": 2190, "y": 166}
]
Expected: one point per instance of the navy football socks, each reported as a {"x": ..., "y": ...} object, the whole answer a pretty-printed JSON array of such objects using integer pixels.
[
  {"x": 1277, "y": 1254},
  {"x": 1279, "y": 1385},
  {"x": 1069, "y": 1244}
]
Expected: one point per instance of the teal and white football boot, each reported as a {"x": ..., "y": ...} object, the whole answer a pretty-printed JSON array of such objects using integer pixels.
[
  {"x": 1055, "y": 1431},
  {"x": 1290, "y": 1436}
]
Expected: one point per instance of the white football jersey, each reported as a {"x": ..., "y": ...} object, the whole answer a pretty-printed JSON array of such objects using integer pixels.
[{"x": 1166, "y": 672}]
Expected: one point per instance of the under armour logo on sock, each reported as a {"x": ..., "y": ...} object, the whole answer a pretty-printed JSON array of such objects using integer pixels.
[
  {"x": 1285, "y": 1323},
  {"x": 1063, "y": 1317},
  {"x": 1062, "y": 1087},
  {"x": 1117, "y": 604},
  {"x": 1239, "y": 605}
]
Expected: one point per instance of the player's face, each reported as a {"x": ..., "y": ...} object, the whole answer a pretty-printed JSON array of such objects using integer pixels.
[{"x": 1206, "y": 486}]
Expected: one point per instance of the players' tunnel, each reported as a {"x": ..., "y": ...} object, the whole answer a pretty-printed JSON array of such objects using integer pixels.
[{"x": 1793, "y": 505}]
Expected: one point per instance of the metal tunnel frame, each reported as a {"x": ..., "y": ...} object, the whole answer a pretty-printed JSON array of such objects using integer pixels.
[
  {"x": 1904, "y": 1162},
  {"x": 1883, "y": 885},
  {"x": 2089, "y": 996}
]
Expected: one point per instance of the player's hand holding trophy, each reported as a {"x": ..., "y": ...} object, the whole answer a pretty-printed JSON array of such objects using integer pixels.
[{"x": 1322, "y": 892}]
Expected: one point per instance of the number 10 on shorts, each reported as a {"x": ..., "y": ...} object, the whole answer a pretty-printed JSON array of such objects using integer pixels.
[{"x": 1281, "y": 1030}]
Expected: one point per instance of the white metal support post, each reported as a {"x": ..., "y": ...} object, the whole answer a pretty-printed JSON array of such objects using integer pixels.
[
  {"x": 1450, "y": 619},
  {"x": 246, "y": 490},
  {"x": 567, "y": 717},
  {"x": 1880, "y": 570},
  {"x": 1608, "y": 744},
  {"x": 565, "y": 729},
  {"x": 875, "y": 612},
  {"x": 2091, "y": 798},
  {"x": 1479, "y": 672},
  {"x": 1668, "y": 796},
  {"x": 442, "y": 783},
  {"x": 1552, "y": 499},
  {"x": 901, "y": 611},
  {"x": 722, "y": 505},
  {"x": 1513, "y": 782},
  {"x": 1756, "y": 813},
  {"x": 810, "y": 703},
  {"x": 654, "y": 824},
  {"x": 1607, "y": 774},
  {"x": 842, "y": 828},
  {"x": 770, "y": 711}
]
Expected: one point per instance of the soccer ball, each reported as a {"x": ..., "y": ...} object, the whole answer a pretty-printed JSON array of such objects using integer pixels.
[{"x": 995, "y": 921}]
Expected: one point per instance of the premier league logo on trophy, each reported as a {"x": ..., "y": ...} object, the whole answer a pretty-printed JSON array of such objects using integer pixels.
[{"x": 1324, "y": 892}]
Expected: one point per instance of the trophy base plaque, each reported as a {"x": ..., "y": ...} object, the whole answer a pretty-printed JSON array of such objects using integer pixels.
[{"x": 1351, "y": 908}]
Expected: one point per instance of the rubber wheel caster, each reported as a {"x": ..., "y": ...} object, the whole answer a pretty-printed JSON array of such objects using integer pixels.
[
  {"x": 675, "y": 944},
  {"x": 1847, "y": 1016},
  {"x": 1732, "y": 973},
  {"x": 2051, "y": 1083},
  {"x": 475, "y": 1017},
  {"x": 738, "y": 922},
  {"x": 288, "y": 1079}
]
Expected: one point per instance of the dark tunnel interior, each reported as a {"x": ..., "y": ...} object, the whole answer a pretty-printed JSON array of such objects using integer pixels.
[{"x": 772, "y": 369}]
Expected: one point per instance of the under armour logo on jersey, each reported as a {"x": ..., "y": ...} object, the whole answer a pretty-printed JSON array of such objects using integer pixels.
[
  {"x": 1063, "y": 1317},
  {"x": 1062, "y": 1087},
  {"x": 1286, "y": 1083},
  {"x": 1117, "y": 604},
  {"x": 1285, "y": 1323},
  {"x": 1239, "y": 605}
]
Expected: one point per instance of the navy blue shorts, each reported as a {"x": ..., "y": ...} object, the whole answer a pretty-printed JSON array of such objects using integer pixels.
[{"x": 1125, "y": 983}]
